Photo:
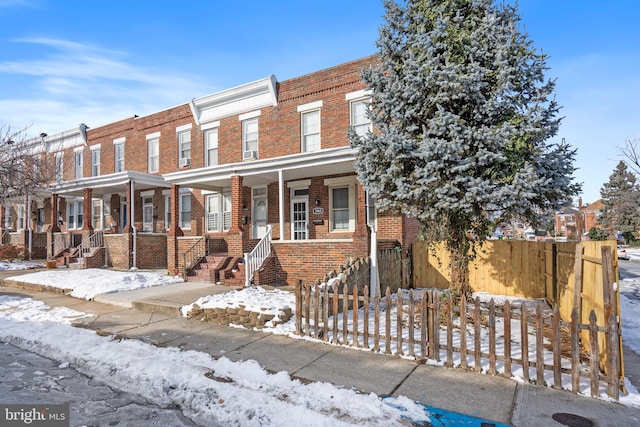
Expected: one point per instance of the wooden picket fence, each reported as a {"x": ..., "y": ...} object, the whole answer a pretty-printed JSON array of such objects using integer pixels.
[{"x": 424, "y": 324}]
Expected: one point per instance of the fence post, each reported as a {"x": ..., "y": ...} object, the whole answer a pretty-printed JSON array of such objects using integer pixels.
[
  {"x": 577, "y": 281},
  {"x": 554, "y": 272},
  {"x": 299, "y": 308},
  {"x": 614, "y": 358}
]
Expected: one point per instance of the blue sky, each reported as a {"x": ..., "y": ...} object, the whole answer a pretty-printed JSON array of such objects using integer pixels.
[{"x": 67, "y": 62}]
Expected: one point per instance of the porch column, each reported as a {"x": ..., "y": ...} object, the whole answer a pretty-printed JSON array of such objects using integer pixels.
[
  {"x": 281, "y": 203},
  {"x": 87, "y": 210},
  {"x": 235, "y": 240},
  {"x": 236, "y": 204},
  {"x": 174, "y": 231},
  {"x": 129, "y": 218},
  {"x": 54, "y": 227}
]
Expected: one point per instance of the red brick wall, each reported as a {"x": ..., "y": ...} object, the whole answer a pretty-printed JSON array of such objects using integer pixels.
[
  {"x": 309, "y": 261},
  {"x": 151, "y": 251},
  {"x": 117, "y": 250}
]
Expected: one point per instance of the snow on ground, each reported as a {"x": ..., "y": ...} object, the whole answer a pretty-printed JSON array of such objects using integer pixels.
[
  {"x": 88, "y": 283},
  {"x": 19, "y": 265},
  {"x": 209, "y": 391},
  {"x": 254, "y": 299}
]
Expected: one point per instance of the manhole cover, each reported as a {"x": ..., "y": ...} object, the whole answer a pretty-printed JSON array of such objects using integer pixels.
[{"x": 572, "y": 420}]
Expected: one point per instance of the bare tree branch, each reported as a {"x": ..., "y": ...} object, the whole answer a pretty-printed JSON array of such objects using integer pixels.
[{"x": 631, "y": 154}]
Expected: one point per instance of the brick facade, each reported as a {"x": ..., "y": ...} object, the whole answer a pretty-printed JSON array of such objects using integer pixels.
[{"x": 262, "y": 189}]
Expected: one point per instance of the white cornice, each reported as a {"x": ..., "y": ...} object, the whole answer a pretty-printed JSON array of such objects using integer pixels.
[{"x": 246, "y": 97}]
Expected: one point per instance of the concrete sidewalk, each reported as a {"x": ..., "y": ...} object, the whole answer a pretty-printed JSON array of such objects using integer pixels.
[{"x": 483, "y": 396}]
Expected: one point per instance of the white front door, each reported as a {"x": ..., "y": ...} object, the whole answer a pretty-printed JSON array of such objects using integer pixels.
[
  {"x": 259, "y": 212},
  {"x": 147, "y": 215},
  {"x": 300, "y": 214}
]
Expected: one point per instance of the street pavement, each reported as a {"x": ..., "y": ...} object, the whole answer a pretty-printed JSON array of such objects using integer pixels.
[{"x": 150, "y": 315}]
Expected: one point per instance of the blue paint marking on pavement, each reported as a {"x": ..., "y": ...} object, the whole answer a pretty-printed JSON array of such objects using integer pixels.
[{"x": 441, "y": 417}]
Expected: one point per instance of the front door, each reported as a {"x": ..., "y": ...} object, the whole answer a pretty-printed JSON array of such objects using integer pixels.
[
  {"x": 300, "y": 214},
  {"x": 259, "y": 212}
]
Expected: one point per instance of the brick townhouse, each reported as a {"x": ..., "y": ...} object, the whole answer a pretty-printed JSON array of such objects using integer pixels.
[{"x": 254, "y": 183}]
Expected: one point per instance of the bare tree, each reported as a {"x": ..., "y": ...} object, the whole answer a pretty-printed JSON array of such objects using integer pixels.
[
  {"x": 26, "y": 169},
  {"x": 631, "y": 154}
]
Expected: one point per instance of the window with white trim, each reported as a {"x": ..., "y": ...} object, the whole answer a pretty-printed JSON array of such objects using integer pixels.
[
  {"x": 96, "y": 213},
  {"x": 74, "y": 214},
  {"x": 118, "y": 149},
  {"x": 185, "y": 211},
  {"x": 360, "y": 122},
  {"x": 250, "y": 138},
  {"x": 153, "y": 154},
  {"x": 342, "y": 203},
  {"x": 211, "y": 147},
  {"x": 20, "y": 217},
  {"x": 167, "y": 211},
  {"x": 218, "y": 212},
  {"x": 310, "y": 121},
  {"x": 184, "y": 146},
  {"x": 78, "y": 164},
  {"x": 95, "y": 162}
]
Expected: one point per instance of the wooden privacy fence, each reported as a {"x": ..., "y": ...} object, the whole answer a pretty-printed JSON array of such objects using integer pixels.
[
  {"x": 568, "y": 274},
  {"x": 394, "y": 271},
  {"x": 424, "y": 324}
]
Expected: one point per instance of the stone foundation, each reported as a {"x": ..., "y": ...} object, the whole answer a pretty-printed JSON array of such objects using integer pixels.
[{"x": 239, "y": 316}]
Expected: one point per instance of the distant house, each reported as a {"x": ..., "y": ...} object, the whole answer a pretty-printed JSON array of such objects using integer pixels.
[{"x": 575, "y": 222}]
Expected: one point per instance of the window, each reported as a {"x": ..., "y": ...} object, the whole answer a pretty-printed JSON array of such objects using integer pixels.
[
  {"x": 20, "y": 217},
  {"x": 59, "y": 164},
  {"x": 95, "y": 162},
  {"x": 74, "y": 214},
  {"x": 185, "y": 211},
  {"x": 153, "y": 153},
  {"x": 167, "y": 209},
  {"x": 118, "y": 156},
  {"x": 184, "y": 145},
  {"x": 211, "y": 147},
  {"x": 310, "y": 126},
  {"x": 250, "y": 139},
  {"x": 96, "y": 213},
  {"x": 218, "y": 212},
  {"x": 310, "y": 131},
  {"x": 360, "y": 123},
  {"x": 342, "y": 205},
  {"x": 340, "y": 208},
  {"x": 78, "y": 164}
]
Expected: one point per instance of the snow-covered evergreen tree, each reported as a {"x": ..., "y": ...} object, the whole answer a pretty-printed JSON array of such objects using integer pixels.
[
  {"x": 621, "y": 199},
  {"x": 461, "y": 111}
]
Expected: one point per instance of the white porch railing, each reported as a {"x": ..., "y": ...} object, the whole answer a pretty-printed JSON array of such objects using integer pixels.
[
  {"x": 96, "y": 240},
  {"x": 254, "y": 259}
]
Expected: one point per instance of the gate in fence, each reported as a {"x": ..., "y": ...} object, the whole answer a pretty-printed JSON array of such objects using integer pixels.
[{"x": 425, "y": 324}]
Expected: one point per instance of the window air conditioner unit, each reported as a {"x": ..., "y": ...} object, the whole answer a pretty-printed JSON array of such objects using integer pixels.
[
  {"x": 248, "y": 155},
  {"x": 185, "y": 162}
]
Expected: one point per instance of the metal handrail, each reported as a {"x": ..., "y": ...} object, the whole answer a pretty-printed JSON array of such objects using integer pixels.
[
  {"x": 194, "y": 254},
  {"x": 254, "y": 259},
  {"x": 6, "y": 237},
  {"x": 96, "y": 240}
]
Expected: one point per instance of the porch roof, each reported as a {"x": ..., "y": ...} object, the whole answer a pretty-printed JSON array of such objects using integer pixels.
[
  {"x": 330, "y": 161},
  {"x": 108, "y": 184}
]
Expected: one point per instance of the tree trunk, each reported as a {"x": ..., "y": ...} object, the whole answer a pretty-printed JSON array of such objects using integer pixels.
[{"x": 460, "y": 274}]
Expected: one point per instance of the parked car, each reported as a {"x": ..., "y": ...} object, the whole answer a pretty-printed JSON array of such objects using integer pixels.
[{"x": 622, "y": 253}]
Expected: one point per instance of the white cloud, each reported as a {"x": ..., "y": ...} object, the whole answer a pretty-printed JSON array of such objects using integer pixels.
[{"x": 75, "y": 82}]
